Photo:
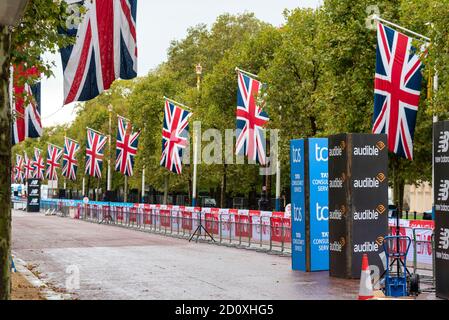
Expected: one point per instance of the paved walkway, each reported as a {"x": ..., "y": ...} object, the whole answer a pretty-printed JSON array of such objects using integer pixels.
[{"x": 117, "y": 263}]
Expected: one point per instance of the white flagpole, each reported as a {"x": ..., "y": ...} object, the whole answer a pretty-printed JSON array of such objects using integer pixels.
[
  {"x": 198, "y": 71},
  {"x": 195, "y": 164},
  {"x": 143, "y": 184},
  {"x": 84, "y": 186},
  {"x": 109, "y": 185},
  {"x": 247, "y": 73},
  {"x": 376, "y": 17},
  {"x": 434, "y": 119}
]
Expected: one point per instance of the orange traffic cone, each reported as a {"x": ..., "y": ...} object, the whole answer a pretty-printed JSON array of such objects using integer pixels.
[{"x": 366, "y": 286}]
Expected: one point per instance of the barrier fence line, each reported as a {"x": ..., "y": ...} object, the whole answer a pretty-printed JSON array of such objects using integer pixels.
[
  {"x": 231, "y": 227},
  {"x": 261, "y": 231}
]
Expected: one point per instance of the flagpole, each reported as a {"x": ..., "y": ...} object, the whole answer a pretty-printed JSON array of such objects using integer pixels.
[
  {"x": 126, "y": 189},
  {"x": 434, "y": 119},
  {"x": 84, "y": 186},
  {"x": 177, "y": 103},
  {"x": 143, "y": 171},
  {"x": 198, "y": 71},
  {"x": 376, "y": 17},
  {"x": 246, "y": 72},
  {"x": 109, "y": 184}
]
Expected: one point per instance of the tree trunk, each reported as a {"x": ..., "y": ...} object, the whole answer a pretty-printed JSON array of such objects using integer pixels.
[{"x": 5, "y": 166}]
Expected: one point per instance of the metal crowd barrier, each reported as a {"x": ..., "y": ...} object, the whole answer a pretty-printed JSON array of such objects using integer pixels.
[{"x": 261, "y": 233}]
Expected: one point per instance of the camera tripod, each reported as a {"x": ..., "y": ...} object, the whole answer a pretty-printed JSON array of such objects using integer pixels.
[{"x": 198, "y": 231}]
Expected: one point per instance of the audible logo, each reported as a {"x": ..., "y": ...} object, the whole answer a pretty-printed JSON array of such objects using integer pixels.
[
  {"x": 370, "y": 182},
  {"x": 381, "y": 177},
  {"x": 366, "y": 215},
  {"x": 369, "y": 246},
  {"x": 381, "y": 208},
  {"x": 337, "y": 246},
  {"x": 366, "y": 151},
  {"x": 380, "y": 145},
  {"x": 338, "y": 214},
  {"x": 380, "y": 240},
  {"x": 366, "y": 247},
  {"x": 337, "y": 182}
]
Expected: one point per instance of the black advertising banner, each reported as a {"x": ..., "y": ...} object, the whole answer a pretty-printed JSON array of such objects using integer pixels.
[
  {"x": 358, "y": 202},
  {"x": 369, "y": 198},
  {"x": 338, "y": 193},
  {"x": 34, "y": 195},
  {"x": 441, "y": 200}
]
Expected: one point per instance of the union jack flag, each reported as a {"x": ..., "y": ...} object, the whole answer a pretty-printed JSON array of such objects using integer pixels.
[
  {"x": 54, "y": 154},
  {"x": 38, "y": 164},
  {"x": 69, "y": 162},
  {"x": 18, "y": 169},
  {"x": 95, "y": 153},
  {"x": 251, "y": 120},
  {"x": 174, "y": 136},
  {"x": 105, "y": 49},
  {"x": 27, "y": 167},
  {"x": 397, "y": 88},
  {"x": 126, "y": 147},
  {"x": 25, "y": 102}
]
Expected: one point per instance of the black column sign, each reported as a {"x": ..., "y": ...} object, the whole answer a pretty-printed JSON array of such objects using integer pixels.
[
  {"x": 441, "y": 201},
  {"x": 358, "y": 202},
  {"x": 34, "y": 195}
]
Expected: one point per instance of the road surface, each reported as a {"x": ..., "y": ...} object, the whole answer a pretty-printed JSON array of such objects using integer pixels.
[{"x": 118, "y": 263}]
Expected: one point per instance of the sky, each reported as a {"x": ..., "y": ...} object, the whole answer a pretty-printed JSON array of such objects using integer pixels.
[{"x": 159, "y": 23}]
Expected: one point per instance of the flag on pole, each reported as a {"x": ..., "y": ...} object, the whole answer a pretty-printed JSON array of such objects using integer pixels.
[
  {"x": 38, "y": 164},
  {"x": 28, "y": 167},
  {"x": 54, "y": 154},
  {"x": 251, "y": 120},
  {"x": 95, "y": 153},
  {"x": 18, "y": 169},
  {"x": 69, "y": 161},
  {"x": 397, "y": 88},
  {"x": 174, "y": 136},
  {"x": 25, "y": 103},
  {"x": 126, "y": 147},
  {"x": 105, "y": 47}
]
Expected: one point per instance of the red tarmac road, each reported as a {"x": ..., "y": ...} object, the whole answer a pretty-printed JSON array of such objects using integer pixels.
[{"x": 118, "y": 263}]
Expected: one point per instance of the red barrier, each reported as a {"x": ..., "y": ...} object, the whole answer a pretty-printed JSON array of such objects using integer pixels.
[
  {"x": 133, "y": 214},
  {"x": 212, "y": 224},
  {"x": 242, "y": 226},
  {"x": 287, "y": 229},
  {"x": 165, "y": 218},
  {"x": 147, "y": 219},
  {"x": 186, "y": 220},
  {"x": 119, "y": 213},
  {"x": 276, "y": 229}
]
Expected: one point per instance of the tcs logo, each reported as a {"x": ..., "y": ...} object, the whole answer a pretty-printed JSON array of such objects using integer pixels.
[
  {"x": 322, "y": 212},
  {"x": 321, "y": 153}
]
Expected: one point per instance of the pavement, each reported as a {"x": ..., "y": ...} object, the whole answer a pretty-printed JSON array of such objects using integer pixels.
[{"x": 92, "y": 261}]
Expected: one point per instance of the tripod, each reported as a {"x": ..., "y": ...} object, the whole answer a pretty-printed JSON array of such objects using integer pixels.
[{"x": 198, "y": 231}]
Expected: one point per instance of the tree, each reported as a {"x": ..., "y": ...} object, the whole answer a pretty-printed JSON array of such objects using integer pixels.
[{"x": 36, "y": 34}]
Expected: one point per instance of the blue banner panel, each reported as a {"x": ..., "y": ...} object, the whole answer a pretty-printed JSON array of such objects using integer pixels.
[
  {"x": 318, "y": 204},
  {"x": 298, "y": 224}
]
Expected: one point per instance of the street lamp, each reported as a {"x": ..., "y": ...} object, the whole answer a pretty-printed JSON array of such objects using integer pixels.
[
  {"x": 11, "y": 11},
  {"x": 199, "y": 71}
]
